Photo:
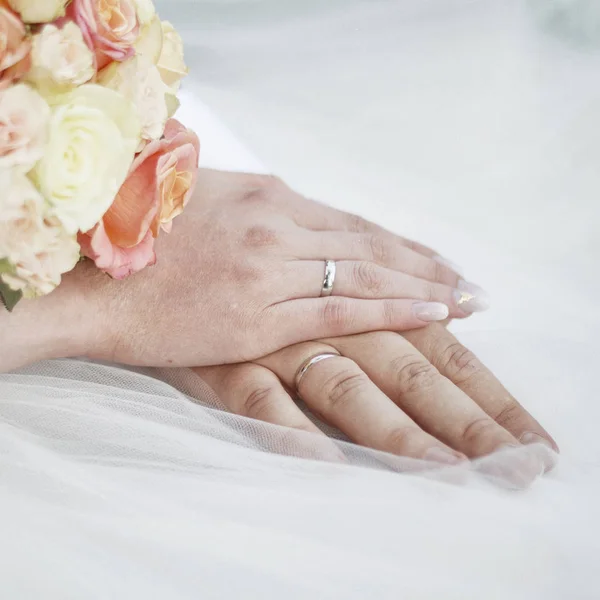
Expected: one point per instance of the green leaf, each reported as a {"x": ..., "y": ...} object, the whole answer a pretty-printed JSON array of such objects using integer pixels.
[{"x": 9, "y": 297}]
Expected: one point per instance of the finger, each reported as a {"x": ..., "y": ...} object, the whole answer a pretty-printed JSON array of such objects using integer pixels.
[
  {"x": 320, "y": 217},
  {"x": 310, "y": 245},
  {"x": 367, "y": 280},
  {"x": 431, "y": 400},
  {"x": 341, "y": 394},
  {"x": 252, "y": 391},
  {"x": 311, "y": 319},
  {"x": 461, "y": 366}
]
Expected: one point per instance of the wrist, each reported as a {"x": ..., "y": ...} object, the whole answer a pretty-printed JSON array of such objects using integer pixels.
[{"x": 55, "y": 326}]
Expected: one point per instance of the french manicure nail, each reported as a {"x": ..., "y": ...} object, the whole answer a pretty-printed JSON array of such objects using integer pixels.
[
  {"x": 430, "y": 311},
  {"x": 470, "y": 297},
  {"x": 530, "y": 437},
  {"x": 443, "y": 456},
  {"x": 448, "y": 263}
]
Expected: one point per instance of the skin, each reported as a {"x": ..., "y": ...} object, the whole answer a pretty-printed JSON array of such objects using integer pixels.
[
  {"x": 239, "y": 278},
  {"x": 421, "y": 394}
]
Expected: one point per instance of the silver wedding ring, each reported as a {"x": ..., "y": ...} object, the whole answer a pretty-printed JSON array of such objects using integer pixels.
[
  {"x": 329, "y": 279},
  {"x": 307, "y": 364}
]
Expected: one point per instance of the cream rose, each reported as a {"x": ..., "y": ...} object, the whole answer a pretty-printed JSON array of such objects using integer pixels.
[
  {"x": 60, "y": 59},
  {"x": 145, "y": 11},
  {"x": 39, "y": 11},
  {"x": 35, "y": 250},
  {"x": 139, "y": 81},
  {"x": 171, "y": 64},
  {"x": 24, "y": 118},
  {"x": 93, "y": 136}
]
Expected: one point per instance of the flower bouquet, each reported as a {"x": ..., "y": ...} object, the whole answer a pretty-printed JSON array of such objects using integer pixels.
[{"x": 92, "y": 162}]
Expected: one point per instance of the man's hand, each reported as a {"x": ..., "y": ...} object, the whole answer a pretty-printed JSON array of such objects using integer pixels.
[{"x": 421, "y": 395}]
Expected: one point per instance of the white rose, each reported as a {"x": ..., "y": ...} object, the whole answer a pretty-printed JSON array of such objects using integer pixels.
[
  {"x": 24, "y": 118},
  {"x": 145, "y": 11},
  {"x": 171, "y": 64},
  {"x": 35, "y": 250},
  {"x": 139, "y": 81},
  {"x": 150, "y": 43},
  {"x": 93, "y": 136},
  {"x": 60, "y": 59},
  {"x": 39, "y": 11}
]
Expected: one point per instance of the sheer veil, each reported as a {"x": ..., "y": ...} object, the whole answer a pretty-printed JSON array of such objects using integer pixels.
[{"x": 123, "y": 483}]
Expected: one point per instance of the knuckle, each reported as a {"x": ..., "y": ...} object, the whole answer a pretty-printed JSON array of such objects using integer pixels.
[
  {"x": 260, "y": 401},
  {"x": 429, "y": 292},
  {"x": 379, "y": 249},
  {"x": 389, "y": 313},
  {"x": 509, "y": 416},
  {"x": 260, "y": 236},
  {"x": 434, "y": 271},
  {"x": 368, "y": 278},
  {"x": 357, "y": 224},
  {"x": 337, "y": 315},
  {"x": 403, "y": 439},
  {"x": 460, "y": 363},
  {"x": 261, "y": 188},
  {"x": 343, "y": 386},
  {"x": 414, "y": 374},
  {"x": 477, "y": 429}
]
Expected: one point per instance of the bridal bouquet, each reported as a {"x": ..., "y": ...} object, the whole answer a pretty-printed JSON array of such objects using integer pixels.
[{"x": 92, "y": 164}]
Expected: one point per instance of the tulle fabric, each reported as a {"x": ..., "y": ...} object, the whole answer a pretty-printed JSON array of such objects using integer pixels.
[
  {"x": 116, "y": 484},
  {"x": 120, "y": 483}
]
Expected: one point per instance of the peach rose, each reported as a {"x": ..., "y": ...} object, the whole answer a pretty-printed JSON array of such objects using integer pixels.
[
  {"x": 117, "y": 262},
  {"x": 157, "y": 189},
  {"x": 15, "y": 47},
  {"x": 110, "y": 27}
]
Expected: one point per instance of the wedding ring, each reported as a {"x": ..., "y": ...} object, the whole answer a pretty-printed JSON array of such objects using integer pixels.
[
  {"x": 329, "y": 279},
  {"x": 307, "y": 364}
]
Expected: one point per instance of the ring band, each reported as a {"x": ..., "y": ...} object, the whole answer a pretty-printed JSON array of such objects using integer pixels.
[
  {"x": 329, "y": 279},
  {"x": 307, "y": 364}
]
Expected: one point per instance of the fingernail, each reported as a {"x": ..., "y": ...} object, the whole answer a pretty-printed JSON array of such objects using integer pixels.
[
  {"x": 444, "y": 456},
  {"x": 530, "y": 437},
  {"x": 430, "y": 311},
  {"x": 470, "y": 297},
  {"x": 448, "y": 263}
]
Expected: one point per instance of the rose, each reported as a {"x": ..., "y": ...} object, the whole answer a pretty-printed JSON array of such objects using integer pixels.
[
  {"x": 145, "y": 11},
  {"x": 60, "y": 59},
  {"x": 150, "y": 43},
  {"x": 139, "y": 81},
  {"x": 159, "y": 185},
  {"x": 171, "y": 64},
  {"x": 35, "y": 250},
  {"x": 110, "y": 27},
  {"x": 118, "y": 262},
  {"x": 24, "y": 118},
  {"x": 39, "y": 11},
  {"x": 14, "y": 47},
  {"x": 93, "y": 136}
]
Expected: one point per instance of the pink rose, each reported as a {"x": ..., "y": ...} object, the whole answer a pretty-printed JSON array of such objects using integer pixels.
[
  {"x": 15, "y": 47},
  {"x": 110, "y": 27},
  {"x": 117, "y": 262},
  {"x": 158, "y": 187}
]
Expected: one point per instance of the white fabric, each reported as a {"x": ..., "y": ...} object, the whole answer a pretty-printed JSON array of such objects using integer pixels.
[{"x": 114, "y": 484}]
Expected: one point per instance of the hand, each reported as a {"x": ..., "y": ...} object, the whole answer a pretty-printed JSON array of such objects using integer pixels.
[
  {"x": 422, "y": 395},
  {"x": 240, "y": 277}
]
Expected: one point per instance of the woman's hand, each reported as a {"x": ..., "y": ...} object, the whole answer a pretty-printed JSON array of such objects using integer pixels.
[
  {"x": 241, "y": 276},
  {"x": 422, "y": 395}
]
